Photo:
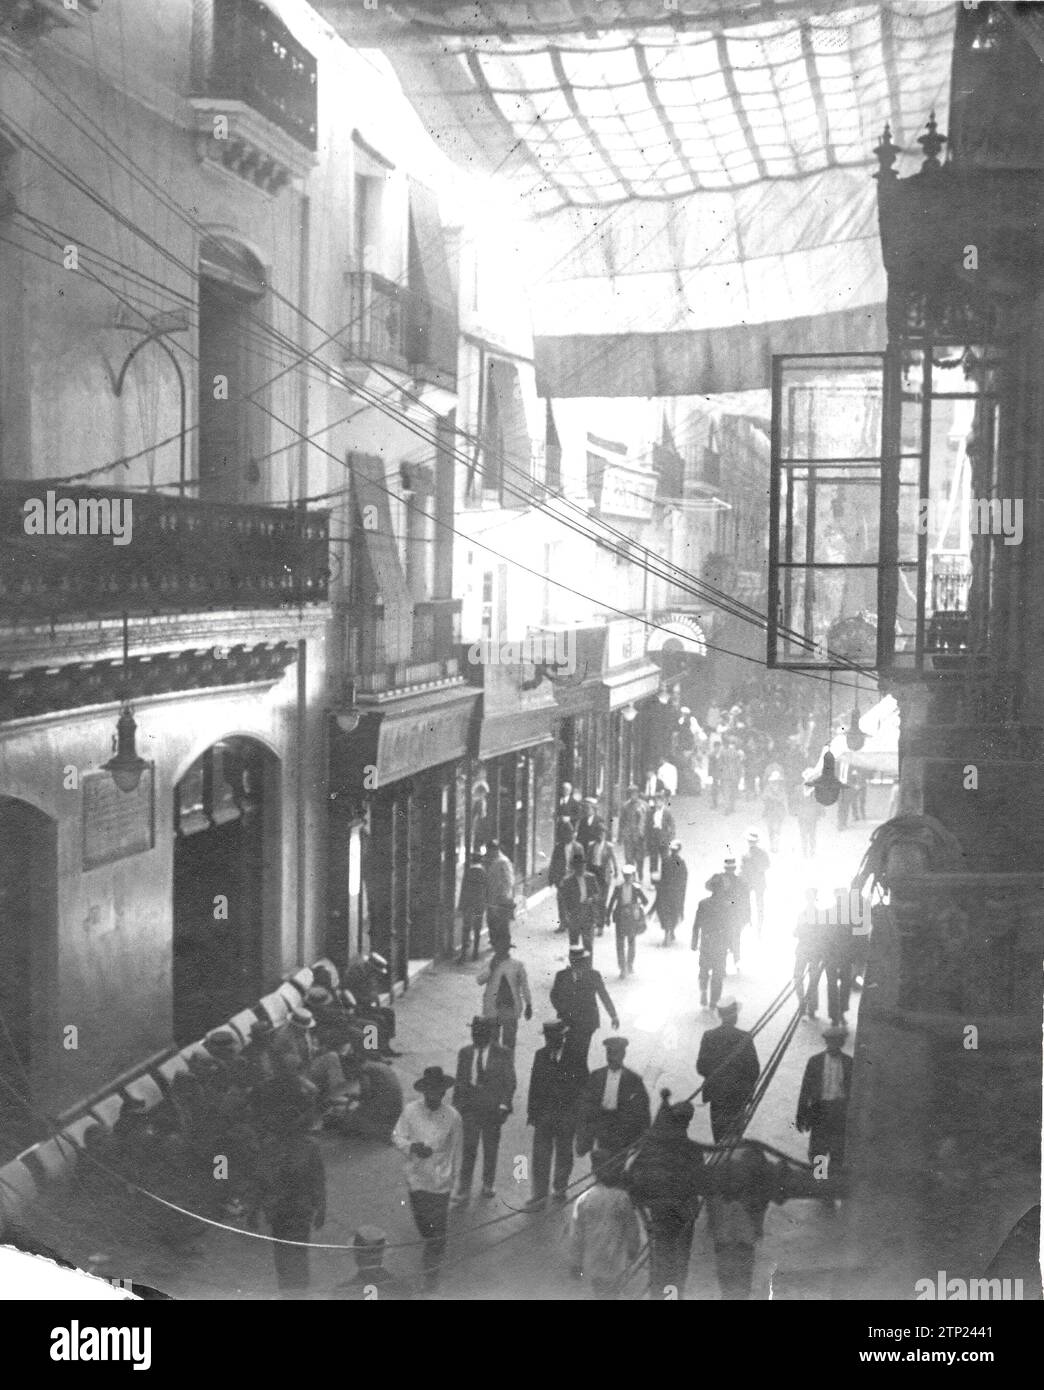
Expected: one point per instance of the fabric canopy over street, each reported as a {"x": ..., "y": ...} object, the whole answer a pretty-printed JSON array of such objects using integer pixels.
[{"x": 690, "y": 168}]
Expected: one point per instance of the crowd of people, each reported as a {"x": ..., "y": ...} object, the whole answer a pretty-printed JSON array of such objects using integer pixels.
[{"x": 233, "y": 1137}]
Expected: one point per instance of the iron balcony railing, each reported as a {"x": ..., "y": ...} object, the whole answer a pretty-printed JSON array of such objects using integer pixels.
[
  {"x": 244, "y": 53},
  {"x": 393, "y": 326},
  {"x": 174, "y": 555},
  {"x": 433, "y": 653}
]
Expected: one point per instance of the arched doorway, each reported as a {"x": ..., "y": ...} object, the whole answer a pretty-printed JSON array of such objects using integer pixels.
[
  {"x": 28, "y": 966},
  {"x": 226, "y": 882}
]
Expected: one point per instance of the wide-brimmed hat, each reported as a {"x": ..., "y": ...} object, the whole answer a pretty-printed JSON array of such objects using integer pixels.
[
  {"x": 728, "y": 1005},
  {"x": 835, "y": 1030},
  {"x": 629, "y": 869},
  {"x": 302, "y": 1018},
  {"x": 555, "y": 1027},
  {"x": 434, "y": 1079},
  {"x": 579, "y": 953}
]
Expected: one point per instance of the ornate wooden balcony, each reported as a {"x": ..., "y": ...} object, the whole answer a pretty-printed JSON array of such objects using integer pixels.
[
  {"x": 181, "y": 556},
  {"x": 254, "y": 93}
]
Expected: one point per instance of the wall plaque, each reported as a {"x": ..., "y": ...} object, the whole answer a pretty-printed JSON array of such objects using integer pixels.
[{"x": 116, "y": 824}]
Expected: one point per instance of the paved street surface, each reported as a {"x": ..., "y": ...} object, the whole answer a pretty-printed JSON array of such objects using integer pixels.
[{"x": 495, "y": 1253}]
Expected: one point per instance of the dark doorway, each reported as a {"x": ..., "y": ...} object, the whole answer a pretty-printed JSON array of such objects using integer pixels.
[
  {"x": 225, "y": 820},
  {"x": 28, "y": 943}
]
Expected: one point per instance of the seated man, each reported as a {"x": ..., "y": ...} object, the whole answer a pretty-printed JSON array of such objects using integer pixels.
[
  {"x": 374, "y": 1101},
  {"x": 365, "y": 980},
  {"x": 297, "y": 1049}
]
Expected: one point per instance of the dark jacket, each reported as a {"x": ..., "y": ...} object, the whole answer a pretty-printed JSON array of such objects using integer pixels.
[
  {"x": 670, "y": 896},
  {"x": 659, "y": 838},
  {"x": 666, "y": 1175},
  {"x": 473, "y": 890},
  {"x": 575, "y": 996},
  {"x": 633, "y": 819},
  {"x": 729, "y": 1062},
  {"x": 808, "y": 1112},
  {"x": 575, "y": 914},
  {"x": 710, "y": 929},
  {"x": 498, "y": 1085},
  {"x": 554, "y": 1087},
  {"x": 754, "y": 867},
  {"x": 588, "y": 830},
  {"x": 621, "y": 1127},
  {"x": 616, "y": 907}
]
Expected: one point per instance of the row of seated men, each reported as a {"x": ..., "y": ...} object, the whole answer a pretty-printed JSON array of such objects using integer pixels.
[{"x": 206, "y": 1147}]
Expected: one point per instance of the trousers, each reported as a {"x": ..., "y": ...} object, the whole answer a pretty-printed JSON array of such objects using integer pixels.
[
  {"x": 291, "y": 1261},
  {"x": 670, "y": 1247},
  {"x": 625, "y": 944},
  {"x": 430, "y": 1214},
  {"x": 479, "y": 1126},
  {"x": 553, "y": 1139},
  {"x": 838, "y": 985},
  {"x": 725, "y": 1117},
  {"x": 505, "y": 1030},
  {"x": 712, "y": 973},
  {"x": 735, "y": 1270}
]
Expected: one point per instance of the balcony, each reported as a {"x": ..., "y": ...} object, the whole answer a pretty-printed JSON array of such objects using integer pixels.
[
  {"x": 433, "y": 654},
  {"x": 175, "y": 556},
  {"x": 404, "y": 332},
  {"x": 255, "y": 94}
]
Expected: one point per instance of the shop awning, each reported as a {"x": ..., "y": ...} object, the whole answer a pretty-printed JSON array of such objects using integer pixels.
[
  {"x": 624, "y": 687},
  {"x": 405, "y": 737},
  {"x": 373, "y": 525},
  {"x": 512, "y": 717}
]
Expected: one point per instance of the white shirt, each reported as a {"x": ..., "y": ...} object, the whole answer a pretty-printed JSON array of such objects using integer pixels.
[
  {"x": 442, "y": 1130},
  {"x": 833, "y": 1078},
  {"x": 658, "y": 818},
  {"x": 611, "y": 1094}
]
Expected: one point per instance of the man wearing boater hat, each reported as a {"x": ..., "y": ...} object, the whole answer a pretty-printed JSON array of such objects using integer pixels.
[
  {"x": 728, "y": 1062},
  {"x": 823, "y": 1102},
  {"x": 430, "y": 1134}
]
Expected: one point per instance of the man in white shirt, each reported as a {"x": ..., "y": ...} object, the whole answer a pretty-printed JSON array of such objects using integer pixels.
[
  {"x": 430, "y": 1134},
  {"x": 605, "y": 1234},
  {"x": 823, "y": 1103}
]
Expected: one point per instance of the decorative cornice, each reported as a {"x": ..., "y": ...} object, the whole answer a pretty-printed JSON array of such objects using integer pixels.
[
  {"x": 253, "y": 147},
  {"x": 45, "y": 690}
]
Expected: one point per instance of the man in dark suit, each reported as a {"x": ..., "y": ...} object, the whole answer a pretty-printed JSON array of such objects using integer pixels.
[
  {"x": 570, "y": 804},
  {"x": 482, "y": 1094},
  {"x": 659, "y": 831},
  {"x": 823, "y": 1102},
  {"x": 575, "y": 992},
  {"x": 589, "y": 824},
  {"x": 728, "y": 1062},
  {"x": 472, "y": 907},
  {"x": 554, "y": 1091},
  {"x": 614, "y": 1106},
  {"x": 580, "y": 902}
]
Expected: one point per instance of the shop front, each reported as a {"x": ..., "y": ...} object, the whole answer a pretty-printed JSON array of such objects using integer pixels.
[
  {"x": 511, "y": 793},
  {"x": 602, "y": 722},
  {"x": 394, "y": 819}
]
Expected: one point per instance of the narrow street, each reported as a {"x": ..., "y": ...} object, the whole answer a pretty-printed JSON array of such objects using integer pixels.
[{"x": 496, "y": 1254}]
